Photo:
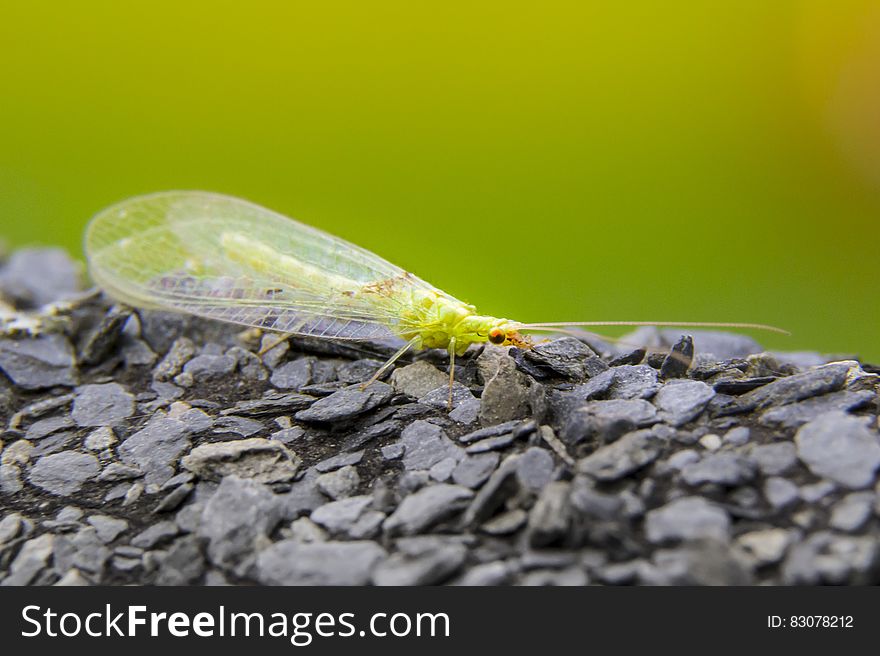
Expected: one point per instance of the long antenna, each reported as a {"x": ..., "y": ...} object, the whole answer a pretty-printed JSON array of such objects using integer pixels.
[{"x": 677, "y": 324}]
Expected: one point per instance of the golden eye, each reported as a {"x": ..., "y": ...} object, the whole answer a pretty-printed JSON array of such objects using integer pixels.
[{"x": 497, "y": 336}]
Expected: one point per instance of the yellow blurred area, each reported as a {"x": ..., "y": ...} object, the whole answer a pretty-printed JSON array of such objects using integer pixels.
[{"x": 545, "y": 161}]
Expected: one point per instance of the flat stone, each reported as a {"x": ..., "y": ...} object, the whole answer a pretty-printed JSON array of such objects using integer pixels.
[
  {"x": 63, "y": 473},
  {"x": 37, "y": 276},
  {"x": 206, "y": 367},
  {"x": 43, "y": 427},
  {"x": 505, "y": 391},
  {"x": 840, "y": 447},
  {"x": 155, "y": 534},
  {"x": 154, "y": 449},
  {"x": 340, "y": 460},
  {"x": 628, "y": 454},
  {"x": 31, "y": 560},
  {"x": 242, "y": 426},
  {"x": 737, "y": 436},
  {"x": 182, "y": 350},
  {"x": 424, "y": 560},
  {"x": 238, "y": 515},
  {"x": 347, "y": 403},
  {"x": 490, "y": 444},
  {"x": 797, "y": 414},
  {"x": 549, "y": 518},
  {"x": 682, "y": 401},
  {"x": 427, "y": 507},
  {"x": 687, "y": 518},
  {"x": 852, "y": 512},
  {"x": 323, "y": 563},
  {"x": 33, "y": 363},
  {"x": 338, "y": 516},
  {"x": 826, "y": 558},
  {"x": 566, "y": 358},
  {"x": 108, "y": 528},
  {"x": 417, "y": 379},
  {"x": 774, "y": 459},
  {"x": 535, "y": 468},
  {"x": 102, "y": 405},
  {"x": 473, "y": 471},
  {"x": 722, "y": 468},
  {"x": 607, "y": 420},
  {"x": 767, "y": 546},
  {"x": 256, "y": 458},
  {"x": 425, "y": 444},
  {"x": 814, "y": 382},
  {"x": 339, "y": 483},
  {"x": 183, "y": 564},
  {"x": 633, "y": 382}
]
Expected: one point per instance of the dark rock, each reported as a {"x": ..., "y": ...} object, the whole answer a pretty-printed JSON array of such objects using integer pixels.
[
  {"x": 734, "y": 387},
  {"x": 428, "y": 506},
  {"x": 535, "y": 468},
  {"x": 155, "y": 448},
  {"x": 677, "y": 363},
  {"x": 38, "y": 362},
  {"x": 273, "y": 402},
  {"x": 566, "y": 358},
  {"x": 180, "y": 352},
  {"x": 505, "y": 390},
  {"x": 106, "y": 336},
  {"x": 633, "y": 382},
  {"x": 347, "y": 403},
  {"x": 501, "y": 486},
  {"x": 687, "y": 518},
  {"x": 33, "y": 277},
  {"x": 237, "y": 515},
  {"x": 605, "y": 421},
  {"x": 815, "y": 382},
  {"x": 797, "y": 414},
  {"x": 550, "y": 516},
  {"x": 628, "y": 454},
  {"x": 256, "y": 458},
  {"x": 207, "y": 367},
  {"x": 102, "y": 405}
]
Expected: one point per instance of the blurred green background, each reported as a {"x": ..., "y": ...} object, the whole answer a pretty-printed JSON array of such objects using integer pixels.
[{"x": 545, "y": 161}]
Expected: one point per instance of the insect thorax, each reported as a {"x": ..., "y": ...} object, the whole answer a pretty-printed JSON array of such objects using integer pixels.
[{"x": 438, "y": 319}]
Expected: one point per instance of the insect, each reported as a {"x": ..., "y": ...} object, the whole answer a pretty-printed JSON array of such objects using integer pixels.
[{"x": 224, "y": 258}]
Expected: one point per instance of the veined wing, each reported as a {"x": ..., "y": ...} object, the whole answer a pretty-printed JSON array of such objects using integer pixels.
[{"x": 224, "y": 258}]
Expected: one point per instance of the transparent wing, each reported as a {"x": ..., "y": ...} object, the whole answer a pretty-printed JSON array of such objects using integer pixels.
[{"x": 224, "y": 258}]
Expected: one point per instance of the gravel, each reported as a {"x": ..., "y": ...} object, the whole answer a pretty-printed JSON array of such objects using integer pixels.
[{"x": 152, "y": 448}]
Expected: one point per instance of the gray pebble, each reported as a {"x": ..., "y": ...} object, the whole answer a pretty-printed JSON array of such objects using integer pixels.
[
  {"x": 737, "y": 436},
  {"x": 256, "y": 458},
  {"x": 322, "y": 563},
  {"x": 829, "y": 559},
  {"x": 774, "y": 459},
  {"x": 687, "y": 518},
  {"x": 840, "y": 447},
  {"x": 549, "y": 518},
  {"x": 242, "y": 426},
  {"x": 852, "y": 512},
  {"x": 505, "y": 392},
  {"x": 426, "y": 444},
  {"x": 607, "y": 420},
  {"x": 721, "y": 468},
  {"x": 31, "y": 560},
  {"x": 63, "y": 473},
  {"x": 417, "y": 379},
  {"x": 43, "y": 427},
  {"x": 393, "y": 451},
  {"x": 239, "y": 513},
  {"x": 430, "y": 505},
  {"x": 347, "y": 403},
  {"x": 490, "y": 444},
  {"x": 102, "y": 405},
  {"x": 340, "y": 483},
  {"x": 425, "y": 560},
  {"x": 633, "y": 382},
  {"x": 535, "y": 468},
  {"x": 473, "y": 471},
  {"x": 38, "y": 362},
  {"x": 628, "y": 454},
  {"x": 794, "y": 415},
  {"x": 155, "y": 534},
  {"x": 155, "y": 448},
  {"x": 781, "y": 493},
  {"x": 37, "y": 276}
]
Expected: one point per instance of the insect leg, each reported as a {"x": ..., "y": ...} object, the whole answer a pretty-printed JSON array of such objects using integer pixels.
[
  {"x": 376, "y": 376},
  {"x": 451, "y": 371}
]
